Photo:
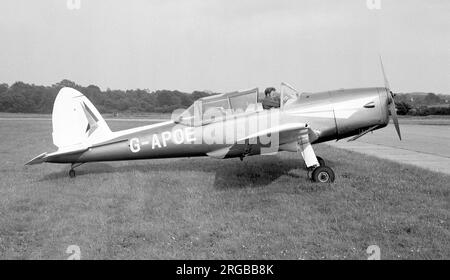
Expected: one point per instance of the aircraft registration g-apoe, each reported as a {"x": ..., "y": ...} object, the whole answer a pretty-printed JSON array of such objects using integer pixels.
[{"x": 223, "y": 126}]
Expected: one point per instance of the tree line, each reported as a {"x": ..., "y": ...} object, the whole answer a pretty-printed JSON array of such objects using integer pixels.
[
  {"x": 29, "y": 98},
  {"x": 423, "y": 104}
]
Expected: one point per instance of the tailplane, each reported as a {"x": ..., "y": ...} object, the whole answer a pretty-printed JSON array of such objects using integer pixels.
[{"x": 77, "y": 125}]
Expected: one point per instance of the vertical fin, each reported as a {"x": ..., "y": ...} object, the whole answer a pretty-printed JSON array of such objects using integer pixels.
[{"x": 76, "y": 122}]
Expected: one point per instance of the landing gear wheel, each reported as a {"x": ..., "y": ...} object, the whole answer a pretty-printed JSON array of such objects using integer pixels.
[
  {"x": 323, "y": 174},
  {"x": 321, "y": 161},
  {"x": 72, "y": 173}
]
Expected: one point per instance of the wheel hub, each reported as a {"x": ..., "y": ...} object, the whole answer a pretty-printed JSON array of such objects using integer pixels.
[{"x": 323, "y": 177}]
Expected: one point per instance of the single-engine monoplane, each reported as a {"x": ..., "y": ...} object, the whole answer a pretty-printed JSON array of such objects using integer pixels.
[{"x": 224, "y": 126}]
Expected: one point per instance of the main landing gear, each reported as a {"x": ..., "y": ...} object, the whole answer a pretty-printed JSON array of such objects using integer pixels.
[
  {"x": 320, "y": 172},
  {"x": 72, "y": 169},
  {"x": 323, "y": 174},
  {"x": 321, "y": 161}
]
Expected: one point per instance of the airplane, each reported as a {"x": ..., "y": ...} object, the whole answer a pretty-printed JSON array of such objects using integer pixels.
[{"x": 224, "y": 126}]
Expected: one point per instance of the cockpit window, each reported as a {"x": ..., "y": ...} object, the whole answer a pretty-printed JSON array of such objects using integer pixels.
[
  {"x": 213, "y": 108},
  {"x": 242, "y": 102},
  {"x": 220, "y": 104}
]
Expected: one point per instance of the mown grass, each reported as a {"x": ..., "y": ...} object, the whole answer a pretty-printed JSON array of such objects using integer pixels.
[{"x": 202, "y": 208}]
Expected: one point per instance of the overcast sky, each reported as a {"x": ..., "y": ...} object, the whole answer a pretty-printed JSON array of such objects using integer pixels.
[{"x": 224, "y": 45}]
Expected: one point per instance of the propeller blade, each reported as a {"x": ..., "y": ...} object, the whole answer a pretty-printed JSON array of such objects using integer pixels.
[
  {"x": 393, "y": 111},
  {"x": 392, "y": 108},
  {"x": 386, "y": 82}
]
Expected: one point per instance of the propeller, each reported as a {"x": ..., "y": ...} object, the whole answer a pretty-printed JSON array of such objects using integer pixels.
[{"x": 391, "y": 104}]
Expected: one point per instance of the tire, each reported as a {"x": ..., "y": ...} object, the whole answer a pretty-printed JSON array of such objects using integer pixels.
[
  {"x": 321, "y": 161},
  {"x": 323, "y": 174},
  {"x": 72, "y": 173}
]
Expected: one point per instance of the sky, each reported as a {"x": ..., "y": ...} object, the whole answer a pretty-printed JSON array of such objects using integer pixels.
[{"x": 226, "y": 45}]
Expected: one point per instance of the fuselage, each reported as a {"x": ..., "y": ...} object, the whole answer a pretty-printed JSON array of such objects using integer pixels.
[
  {"x": 331, "y": 115},
  {"x": 342, "y": 113}
]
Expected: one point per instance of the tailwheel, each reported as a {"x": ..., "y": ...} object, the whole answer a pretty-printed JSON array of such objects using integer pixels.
[
  {"x": 72, "y": 170},
  {"x": 321, "y": 161},
  {"x": 323, "y": 174}
]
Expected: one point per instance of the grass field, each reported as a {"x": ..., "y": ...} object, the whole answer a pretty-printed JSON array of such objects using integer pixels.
[{"x": 202, "y": 208}]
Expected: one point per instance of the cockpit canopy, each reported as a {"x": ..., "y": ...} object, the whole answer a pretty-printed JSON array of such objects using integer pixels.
[
  {"x": 213, "y": 108},
  {"x": 217, "y": 107}
]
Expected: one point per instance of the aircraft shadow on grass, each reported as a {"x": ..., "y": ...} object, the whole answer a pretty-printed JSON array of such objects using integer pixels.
[{"x": 228, "y": 173}]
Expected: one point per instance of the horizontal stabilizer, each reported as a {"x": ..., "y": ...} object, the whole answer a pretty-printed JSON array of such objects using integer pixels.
[
  {"x": 44, "y": 157},
  {"x": 37, "y": 160}
]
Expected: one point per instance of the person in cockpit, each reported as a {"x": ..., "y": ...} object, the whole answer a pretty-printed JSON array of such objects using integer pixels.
[{"x": 271, "y": 101}]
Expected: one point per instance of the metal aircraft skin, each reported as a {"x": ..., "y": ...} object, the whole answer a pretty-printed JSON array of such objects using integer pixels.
[{"x": 238, "y": 127}]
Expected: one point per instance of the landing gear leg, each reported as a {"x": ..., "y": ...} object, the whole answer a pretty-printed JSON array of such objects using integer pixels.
[
  {"x": 320, "y": 172},
  {"x": 321, "y": 161},
  {"x": 72, "y": 169}
]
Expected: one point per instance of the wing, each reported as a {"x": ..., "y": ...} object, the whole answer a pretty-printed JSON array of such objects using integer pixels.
[{"x": 282, "y": 137}]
